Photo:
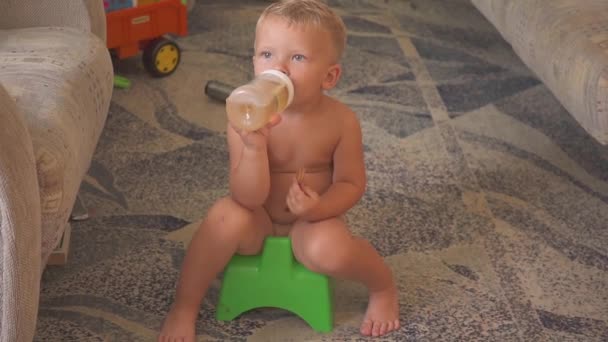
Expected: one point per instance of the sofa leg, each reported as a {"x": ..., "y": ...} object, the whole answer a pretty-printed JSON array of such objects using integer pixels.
[
  {"x": 60, "y": 255},
  {"x": 79, "y": 211}
]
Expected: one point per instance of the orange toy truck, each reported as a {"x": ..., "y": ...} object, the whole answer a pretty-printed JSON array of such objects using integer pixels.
[{"x": 143, "y": 27}]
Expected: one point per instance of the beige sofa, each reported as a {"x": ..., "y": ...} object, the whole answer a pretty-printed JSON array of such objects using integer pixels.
[
  {"x": 565, "y": 42},
  {"x": 55, "y": 88}
]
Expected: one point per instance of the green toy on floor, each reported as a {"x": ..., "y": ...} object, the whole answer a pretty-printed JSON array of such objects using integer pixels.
[{"x": 121, "y": 82}]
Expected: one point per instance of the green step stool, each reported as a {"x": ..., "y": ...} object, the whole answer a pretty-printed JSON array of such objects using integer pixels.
[{"x": 275, "y": 279}]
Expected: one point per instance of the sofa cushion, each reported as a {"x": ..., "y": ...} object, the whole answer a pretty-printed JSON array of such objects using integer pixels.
[
  {"x": 565, "y": 42},
  {"x": 60, "y": 79}
]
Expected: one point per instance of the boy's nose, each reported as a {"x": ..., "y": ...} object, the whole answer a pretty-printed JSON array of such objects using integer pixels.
[{"x": 282, "y": 68}]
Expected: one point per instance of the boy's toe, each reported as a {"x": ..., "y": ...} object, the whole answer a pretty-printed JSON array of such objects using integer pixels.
[
  {"x": 366, "y": 328},
  {"x": 376, "y": 329},
  {"x": 383, "y": 328},
  {"x": 389, "y": 327}
]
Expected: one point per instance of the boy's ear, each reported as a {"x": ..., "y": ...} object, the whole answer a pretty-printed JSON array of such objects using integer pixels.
[{"x": 333, "y": 76}]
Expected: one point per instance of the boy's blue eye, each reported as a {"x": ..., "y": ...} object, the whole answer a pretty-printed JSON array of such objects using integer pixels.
[
  {"x": 265, "y": 54},
  {"x": 299, "y": 58}
]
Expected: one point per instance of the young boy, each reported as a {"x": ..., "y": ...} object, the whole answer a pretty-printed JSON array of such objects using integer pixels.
[{"x": 316, "y": 133}]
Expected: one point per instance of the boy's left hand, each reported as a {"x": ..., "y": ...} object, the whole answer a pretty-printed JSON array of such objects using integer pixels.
[{"x": 301, "y": 198}]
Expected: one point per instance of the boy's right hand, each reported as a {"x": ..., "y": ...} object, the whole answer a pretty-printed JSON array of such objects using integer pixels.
[{"x": 257, "y": 139}]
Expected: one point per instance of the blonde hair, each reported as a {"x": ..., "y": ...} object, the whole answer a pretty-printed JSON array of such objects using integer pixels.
[{"x": 310, "y": 12}]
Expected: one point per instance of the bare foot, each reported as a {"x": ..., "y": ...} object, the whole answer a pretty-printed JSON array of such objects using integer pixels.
[
  {"x": 382, "y": 315},
  {"x": 178, "y": 326}
]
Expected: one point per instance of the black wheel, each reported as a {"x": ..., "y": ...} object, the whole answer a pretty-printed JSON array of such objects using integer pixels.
[{"x": 161, "y": 57}]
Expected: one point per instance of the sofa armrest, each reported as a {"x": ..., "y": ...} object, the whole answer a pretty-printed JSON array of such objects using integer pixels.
[
  {"x": 564, "y": 43},
  {"x": 88, "y": 15},
  {"x": 20, "y": 232}
]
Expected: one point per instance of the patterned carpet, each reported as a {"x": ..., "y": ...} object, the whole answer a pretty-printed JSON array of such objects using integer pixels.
[{"x": 487, "y": 199}]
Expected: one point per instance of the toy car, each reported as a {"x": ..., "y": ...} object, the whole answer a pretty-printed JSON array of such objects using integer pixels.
[{"x": 131, "y": 30}]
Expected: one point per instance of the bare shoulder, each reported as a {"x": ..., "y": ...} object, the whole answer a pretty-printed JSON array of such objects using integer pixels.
[{"x": 343, "y": 114}]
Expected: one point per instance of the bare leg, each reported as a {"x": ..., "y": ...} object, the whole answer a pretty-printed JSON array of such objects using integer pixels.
[
  {"x": 228, "y": 229},
  {"x": 328, "y": 247}
]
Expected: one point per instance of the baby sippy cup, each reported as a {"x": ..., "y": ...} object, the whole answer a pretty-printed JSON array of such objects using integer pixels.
[{"x": 250, "y": 106}]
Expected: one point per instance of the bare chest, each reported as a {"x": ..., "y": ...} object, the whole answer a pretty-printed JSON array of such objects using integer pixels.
[{"x": 310, "y": 146}]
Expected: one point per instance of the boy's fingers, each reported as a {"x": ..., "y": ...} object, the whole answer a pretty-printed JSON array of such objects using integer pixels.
[
  {"x": 308, "y": 191},
  {"x": 274, "y": 120},
  {"x": 294, "y": 187},
  {"x": 299, "y": 192},
  {"x": 289, "y": 203},
  {"x": 298, "y": 187}
]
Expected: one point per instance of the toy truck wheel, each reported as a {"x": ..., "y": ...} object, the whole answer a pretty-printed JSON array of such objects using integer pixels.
[{"x": 161, "y": 57}]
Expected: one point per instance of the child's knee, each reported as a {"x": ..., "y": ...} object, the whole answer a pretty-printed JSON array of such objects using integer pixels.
[
  {"x": 228, "y": 218},
  {"x": 326, "y": 248}
]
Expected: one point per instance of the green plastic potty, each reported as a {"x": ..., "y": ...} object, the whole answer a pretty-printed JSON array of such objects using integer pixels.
[{"x": 275, "y": 279}]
